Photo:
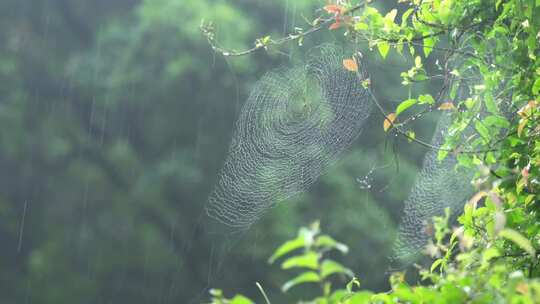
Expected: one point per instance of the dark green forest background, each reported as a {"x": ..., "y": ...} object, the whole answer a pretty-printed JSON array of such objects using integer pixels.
[{"x": 115, "y": 117}]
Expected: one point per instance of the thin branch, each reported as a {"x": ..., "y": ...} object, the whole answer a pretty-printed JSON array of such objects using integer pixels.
[
  {"x": 401, "y": 132},
  {"x": 208, "y": 31}
]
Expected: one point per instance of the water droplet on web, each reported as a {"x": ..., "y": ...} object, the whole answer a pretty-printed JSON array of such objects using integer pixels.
[{"x": 279, "y": 153}]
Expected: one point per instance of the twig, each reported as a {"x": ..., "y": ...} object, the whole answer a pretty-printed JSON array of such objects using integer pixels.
[
  {"x": 263, "y": 293},
  {"x": 208, "y": 32},
  {"x": 409, "y": 137}
]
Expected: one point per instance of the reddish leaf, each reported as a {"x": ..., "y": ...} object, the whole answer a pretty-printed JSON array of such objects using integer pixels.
[
  {"x": 526, "y": 110},
  {"x": 525, "y": 173},
  {"x": 334, "y": 9},
  {"x": 389, "y": 121},
  {"x": 522, "y": 123},
  {"x": 350, "y": 65},
  {"x": 447, "y": 106},
  {"x": 335, "y": 25},
  {"x": 476, "y": 198},
  {"x": 522, "y": 288}
]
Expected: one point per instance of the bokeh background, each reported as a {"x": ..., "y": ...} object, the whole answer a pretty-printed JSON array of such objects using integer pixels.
[{"x": 115, "y": 118}]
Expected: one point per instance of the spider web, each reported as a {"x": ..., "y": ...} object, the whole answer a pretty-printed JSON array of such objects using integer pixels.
[
  {"x": 295, "y": 123},
  {"x": 439, "y": 185}
]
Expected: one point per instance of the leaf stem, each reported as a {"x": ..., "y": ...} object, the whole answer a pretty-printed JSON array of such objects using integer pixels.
[{"x": 262, "y": 292}]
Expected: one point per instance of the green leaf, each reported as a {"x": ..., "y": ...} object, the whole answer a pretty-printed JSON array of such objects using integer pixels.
[
  {"x": 518, "y": 239},
  {"x": 361, "y": 297},
  {"x": 353, "y": 282},
  {"x": 379, "y": 298},
  {"x": 536, "y": 86},
  {"x": 453, "y": 90},
  {"x": 383, "y": 47},
  {"x": 405, "y": 293},
  {"x": 306, "y": 277},
  {"x": 328, "y": 242},
  {"x": 435, "y": 264},
  {"x": 266, "y": 39},
  {"x": 489, "y": 254},
  {"x": 404, "y": 105},
  {"x": 429, "y": 43},
  {"x": 405, "y": 16},
  {"x": 330, "y": 267},
  {"x": 418, "y": 62},
  {"x": 442, "y": 155},
  {"x": 307, "y": 260},
  {"x": 411, "y": 135},
  {"x": 391, "y": 15},
  {"x": 470, "y": 103},
  {"x": 426, "y": 99},
  {"x": 465, "y": 160},
  {"x": 495, "y": 120},
  {"x": 491, "y": 106},
  {"x": 240, "y": 299},
  {"x": 360, "y": 26},
  {"x": 287, "y": 247},
  {"x": 482, "y": 130},
  {"x": 337, "y": 296}
]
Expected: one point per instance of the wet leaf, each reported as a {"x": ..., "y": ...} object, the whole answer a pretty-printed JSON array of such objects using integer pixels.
[
  {"x": 391, "y": 15},
  {"x": 446, "y": 106},
  {"x": 496, "y": 120},
  {"x": 383, "y": 47},
  {"x": 334, "y": 9},
  {"x": 428, "y": 45},
  {"x": 436, "y": 264},
  {"x": 352, "y": 283},
  {"x": 405, "y": 105},
  {"x": 328, "y": 242},
  {"x": 350, "y": 65},
  {"x": 335, "y": 25},
  {"x": 521, "y": 126},
  {"x": 426, "y": 99},
  {"x": 522, "y": 288},
  {"x": 329, "y": 267},
  {"x": 536, "y": 86},
  {"x": 518, "y": 239},
  {"x": 482, "y": 129},
  {"x": 287, "y": 247},
  {"x": 308, "y": 260},
  {"x": 389, "y": 121},
  {"x": 240, "y": 299},
  {"x": 411, "y": 135},
  {"x": 306, "y": 277}
]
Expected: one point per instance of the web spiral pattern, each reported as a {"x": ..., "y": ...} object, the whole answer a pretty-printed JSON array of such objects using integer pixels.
[
  {"x": 439, "y": 185},
  {"x": 295, "y": 123}
]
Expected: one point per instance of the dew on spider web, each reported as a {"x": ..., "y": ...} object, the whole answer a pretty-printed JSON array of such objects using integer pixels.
[
  {"x": 439, "y": 185},
  {"x": 366, "y": 181},
  {"x": 296, "y": 122}
]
